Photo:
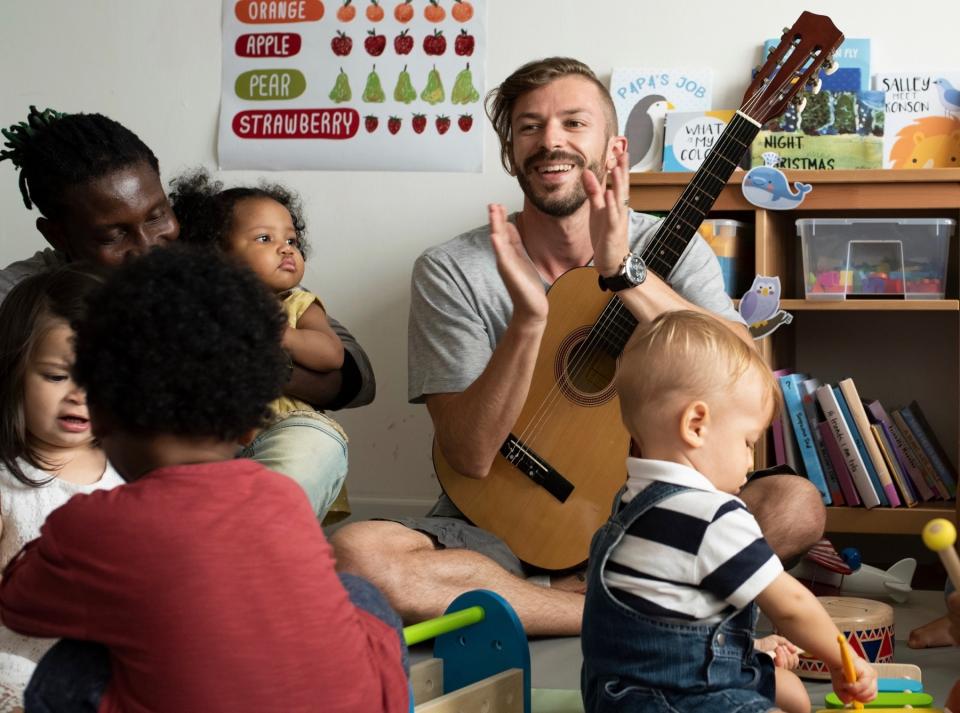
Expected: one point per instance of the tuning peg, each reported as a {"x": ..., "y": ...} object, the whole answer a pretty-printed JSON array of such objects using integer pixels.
[
  {"x": 814, "y": 86},
  {"x": 830, "y": 66},
  {"x": 799, "y": 103}
]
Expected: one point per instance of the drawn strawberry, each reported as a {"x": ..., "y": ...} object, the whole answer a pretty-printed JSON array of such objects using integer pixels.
[
  {"x": 465, "y": 122},
  {"x": 463, "y": 45},
  {"x": 443, "y": 123},
  {"x": 403, "y": 43},
  {"x": 393, "y": 124},
  {"x": 341, "y": 44},
  {"x": 419, "y": 123},
  {"x": 371, "y": 123},
  {"x": 435, "y": 44},
  {"x": 375, "y": 44}
]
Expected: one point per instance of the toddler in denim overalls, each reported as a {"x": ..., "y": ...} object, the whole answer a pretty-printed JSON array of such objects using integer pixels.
[{"x": 669, "y": 616}]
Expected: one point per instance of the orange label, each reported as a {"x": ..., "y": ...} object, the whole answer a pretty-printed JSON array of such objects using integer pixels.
[{"x": 264, "y": 12}]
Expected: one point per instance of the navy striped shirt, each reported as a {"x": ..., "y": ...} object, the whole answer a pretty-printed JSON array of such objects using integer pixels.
[{"x": 698, "y": 555}]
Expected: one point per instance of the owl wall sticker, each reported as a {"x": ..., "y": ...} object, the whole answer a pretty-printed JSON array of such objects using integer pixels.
[{"x": 760, "y": 307}]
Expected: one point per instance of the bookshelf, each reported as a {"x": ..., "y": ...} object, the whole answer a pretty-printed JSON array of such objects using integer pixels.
[{"x": 896, "y": 350}]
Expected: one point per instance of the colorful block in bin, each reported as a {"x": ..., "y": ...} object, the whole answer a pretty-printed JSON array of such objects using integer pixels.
[{"x": 728, "y": 240}]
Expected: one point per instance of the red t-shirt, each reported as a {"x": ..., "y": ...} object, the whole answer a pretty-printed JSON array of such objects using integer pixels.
[{"x": 214, "y": 589}]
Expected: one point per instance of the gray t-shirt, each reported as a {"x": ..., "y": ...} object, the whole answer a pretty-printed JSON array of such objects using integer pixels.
[
  {"x": 460, "y": 308},
  {"x": 49, "y": 258}
]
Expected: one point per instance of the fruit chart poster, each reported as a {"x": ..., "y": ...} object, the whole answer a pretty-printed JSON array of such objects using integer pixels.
[{"x": 392, "y": 85}]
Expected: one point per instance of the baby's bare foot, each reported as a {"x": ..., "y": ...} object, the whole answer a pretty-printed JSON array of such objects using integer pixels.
[{"x": 931, "y": 635}]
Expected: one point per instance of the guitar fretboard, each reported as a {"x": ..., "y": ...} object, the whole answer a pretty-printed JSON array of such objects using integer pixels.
[{"x": 615, "y": 324}]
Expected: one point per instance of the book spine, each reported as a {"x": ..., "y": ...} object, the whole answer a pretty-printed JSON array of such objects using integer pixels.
[
  {"x": 899, "y": 479},
  {"x": 861, "y": 447},
  {"x": 798, "y": 420},
  {"x": 790, "y": 454},
  {"x": 779, "y": 452},
  {"x": 925, "y": 439},
  {"x": 848, "y": 449},
  {"x": 887, "y": 430},
  {"x": 926, "y": 467},
  {"x": 849, "y": 490},
  {"x": 904, "y": 455},
  {"x": 809, "y": 402},
  {"x": 850, "y": 393}
]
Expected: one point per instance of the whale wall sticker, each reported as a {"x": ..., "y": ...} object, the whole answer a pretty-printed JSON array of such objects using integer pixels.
[{"x": 767, "y": 187}]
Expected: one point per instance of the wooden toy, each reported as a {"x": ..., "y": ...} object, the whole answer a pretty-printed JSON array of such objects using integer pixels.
[
  {"x": 849, "y": 672},
  {"x": 940, "y": 535},
  {"x": 867, "y": 627},
  {"x": 481, "y": 659},
  {"x": 887, "y": 700}
]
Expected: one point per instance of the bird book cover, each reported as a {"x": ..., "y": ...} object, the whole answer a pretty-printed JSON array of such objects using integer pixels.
[
  {"x": 642, "y": 98},
  {"x": 922, "y": 118}
]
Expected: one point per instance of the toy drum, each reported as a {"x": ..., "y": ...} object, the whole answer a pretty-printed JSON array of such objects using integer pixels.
[{"x": 867, "y": 626}]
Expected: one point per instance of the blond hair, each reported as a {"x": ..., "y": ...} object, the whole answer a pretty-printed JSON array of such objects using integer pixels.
[{"x": 684, "y": 353}]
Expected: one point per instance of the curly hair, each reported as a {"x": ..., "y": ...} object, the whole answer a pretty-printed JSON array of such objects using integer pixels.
[
  {"x": 204, "y": 208},
  {"x": 56, "y": 151},
  {"x": 500, "y": 100},
  {"x": 32, "y": 308},
  {"x": 183, "y": 342}
]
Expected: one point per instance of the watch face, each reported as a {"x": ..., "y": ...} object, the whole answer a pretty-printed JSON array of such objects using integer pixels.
[{"x": 635, "y": 270}]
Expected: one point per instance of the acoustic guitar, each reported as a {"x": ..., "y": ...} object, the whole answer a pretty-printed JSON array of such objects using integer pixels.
[{"x": 553, "y": 483}]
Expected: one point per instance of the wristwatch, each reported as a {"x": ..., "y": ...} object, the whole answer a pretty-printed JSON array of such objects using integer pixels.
[{"x": 632, "y": 272}]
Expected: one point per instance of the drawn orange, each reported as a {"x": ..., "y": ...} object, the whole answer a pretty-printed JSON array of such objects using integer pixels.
[
  {"x": 374, "y": 11},
  {"x": 462, "y": 10},
  {"x": 347, "y": 11},
  {"x": 434, "y": 13},
  {"x": 404, "y": 11}
]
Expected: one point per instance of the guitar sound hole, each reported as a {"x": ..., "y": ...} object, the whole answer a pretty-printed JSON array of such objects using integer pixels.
[{"x": 584, "y": 369}]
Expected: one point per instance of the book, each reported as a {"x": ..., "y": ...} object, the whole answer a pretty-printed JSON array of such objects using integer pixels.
[
  {"x": 642, "y": 98},
  {"x": 790, "y": 385},
  {"x": 808, "y": 399},
  {"x": 779, "y": 453},
  {"x": 899, "y": 479},
  {"x": 689, "y": 136},
  {"x": 917, "y": 422},
  {"x": 904, "y": 456},
  {"x": 791, "y": 455},
  {"x": 861, "y": 447},
  {"x": 852, "y": 397},
  {"x": 921, "y": 124},
  {"x": 926, "y": 467},
  {"x": 849, "y": 490},
  {"x": 848, "y": 448},
  {"x": 852, "y": 56}
]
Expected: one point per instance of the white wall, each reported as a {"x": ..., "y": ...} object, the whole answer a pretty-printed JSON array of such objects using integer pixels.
[{"x": 155, "y": 67}]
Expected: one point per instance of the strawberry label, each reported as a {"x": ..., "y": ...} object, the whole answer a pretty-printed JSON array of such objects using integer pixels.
[{"x": 297, "y": 124}]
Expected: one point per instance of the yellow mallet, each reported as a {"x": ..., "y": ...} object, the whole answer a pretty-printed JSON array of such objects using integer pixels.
[
  {"x": 849, "y": 672},
  {"x": 939, "y": 535}
]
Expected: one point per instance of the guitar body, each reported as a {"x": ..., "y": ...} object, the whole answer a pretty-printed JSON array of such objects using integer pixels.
[
  {"x": 571, "y": 418},
  {"x": 554, "y": 481}
]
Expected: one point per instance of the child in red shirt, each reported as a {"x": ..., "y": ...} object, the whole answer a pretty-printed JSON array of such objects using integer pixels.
[{"x": 207, "y": 581}]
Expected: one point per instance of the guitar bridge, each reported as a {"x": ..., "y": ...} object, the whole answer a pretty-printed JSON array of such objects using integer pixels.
[{"x": 536, "y": 468}]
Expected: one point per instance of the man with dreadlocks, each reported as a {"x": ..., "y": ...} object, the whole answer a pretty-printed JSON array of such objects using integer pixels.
[{"x": 97, "y": 188}]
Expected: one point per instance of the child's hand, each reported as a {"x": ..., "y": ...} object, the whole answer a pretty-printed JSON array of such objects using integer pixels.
[
  {"x": 785, "y": 653},
  {"x": 863, "y": 689}
]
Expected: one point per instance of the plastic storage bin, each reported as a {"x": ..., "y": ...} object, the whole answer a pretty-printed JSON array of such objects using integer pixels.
[
  {"x": 862, "y": 258},
  {"x": 729, "y": 240}
]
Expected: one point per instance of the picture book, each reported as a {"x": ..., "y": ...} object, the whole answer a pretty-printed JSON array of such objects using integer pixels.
[
  {"x": 917, "y": 422},
  {"x": 643, "y": 97},
  {"x": 850, "y": 495},
  {"x": 689, "y": 136},
  {"x": 791, "y": 454},
  {"x": 921, "y": 118},
  {"x": 808, "y": 399},
  {"x": 898, "y": 477},
  {"x": 861, "y": 447},
  {"x": 847, "y": 446},
  {"x": 852, "y": 397},
  {"x": 904, "y": 455},
  {"x": 791, "y": 385},
  {"x": 926, "y": 467},
  {"x": 852, "y": 57}
]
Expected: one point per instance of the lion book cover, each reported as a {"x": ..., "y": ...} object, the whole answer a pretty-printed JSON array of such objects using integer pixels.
[{"x": 922, "y": 118}]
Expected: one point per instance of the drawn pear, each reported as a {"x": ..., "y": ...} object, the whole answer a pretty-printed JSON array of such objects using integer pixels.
[
  {"x": 404, "y": 91},
  {"x": 463, "y": 90},
  {"x": 433, "y": 93},
  {"x": 341, "y": 88},
  {"x": 373, "y": 92}
]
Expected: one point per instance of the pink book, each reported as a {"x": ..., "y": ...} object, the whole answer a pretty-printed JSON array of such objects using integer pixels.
[
  {"x": 778, "y": 450},
  {"x": 839, "y": 464}
]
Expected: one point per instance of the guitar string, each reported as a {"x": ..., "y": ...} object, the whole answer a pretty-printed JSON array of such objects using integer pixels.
[
  {"x": 543, "y": 412},
  {"x": 615, "y": 308}
]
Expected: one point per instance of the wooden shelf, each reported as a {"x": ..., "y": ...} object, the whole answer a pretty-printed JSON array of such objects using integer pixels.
[
  {"x": 869, "y": 305},
  {"x": 888, "y": 521}
]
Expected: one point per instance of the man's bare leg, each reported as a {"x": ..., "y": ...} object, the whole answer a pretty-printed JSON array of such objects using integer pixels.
[
  {"x": 789, "y": 510},
  {"x": 420, "y": 581}
]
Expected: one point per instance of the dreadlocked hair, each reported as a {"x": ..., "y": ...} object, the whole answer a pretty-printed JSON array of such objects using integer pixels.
[
  {"x": 56, "y": 151},
  {"x": 205, "y": 209}
]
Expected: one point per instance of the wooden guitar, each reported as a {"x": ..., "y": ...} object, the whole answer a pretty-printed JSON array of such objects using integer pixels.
[{"x": 553, "y": 483}]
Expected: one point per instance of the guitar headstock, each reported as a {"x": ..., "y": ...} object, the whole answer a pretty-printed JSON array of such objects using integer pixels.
[{"x": 803, "y": 50}]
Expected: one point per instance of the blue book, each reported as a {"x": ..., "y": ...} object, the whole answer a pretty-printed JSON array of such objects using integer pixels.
[
  {"x": 861, "y": 447},
  {"x": 792, "y": 387},
  {"x": 852, "y": 55},
  {"x": 917, "y": 422}
]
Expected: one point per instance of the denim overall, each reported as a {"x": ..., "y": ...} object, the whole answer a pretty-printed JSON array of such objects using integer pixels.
[{"x": 637, "y": 663}]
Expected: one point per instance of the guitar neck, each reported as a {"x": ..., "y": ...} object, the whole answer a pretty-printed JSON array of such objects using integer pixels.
[{"x": 680, "y": 225}]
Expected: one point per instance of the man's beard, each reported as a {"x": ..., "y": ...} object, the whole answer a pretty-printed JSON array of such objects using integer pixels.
[{"x": 557, "y": 206}]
